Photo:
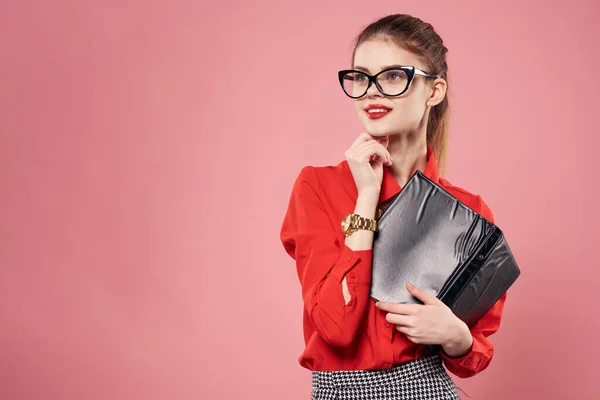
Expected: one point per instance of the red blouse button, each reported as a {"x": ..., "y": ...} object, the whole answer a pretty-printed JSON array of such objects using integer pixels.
[
  {"x": 386, "y": 366},
  {"x": 387, "y": 324},
  {"x": 353, "y": 275}
]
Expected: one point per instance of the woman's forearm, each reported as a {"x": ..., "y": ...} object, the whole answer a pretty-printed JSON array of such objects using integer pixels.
[{"x": 366, "y": 206}]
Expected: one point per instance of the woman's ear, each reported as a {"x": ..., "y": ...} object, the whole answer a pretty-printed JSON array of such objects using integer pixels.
[{"x": 438, "y": 92}]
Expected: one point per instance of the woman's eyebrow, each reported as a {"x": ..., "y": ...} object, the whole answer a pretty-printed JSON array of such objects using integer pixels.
[
  {"x": 392, "y": 66},
  {"x": 359, "y": 68}
]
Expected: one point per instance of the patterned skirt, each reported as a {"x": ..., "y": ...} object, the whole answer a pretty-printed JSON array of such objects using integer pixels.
[{"x": 422, "y": 379}]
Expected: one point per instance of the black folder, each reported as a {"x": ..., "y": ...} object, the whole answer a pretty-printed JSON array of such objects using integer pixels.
[{"x": 429, "y": 238}]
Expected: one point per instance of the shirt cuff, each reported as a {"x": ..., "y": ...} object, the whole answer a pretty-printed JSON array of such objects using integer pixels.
[
  {"x": 362, "y": 259},
  {"x": 470, "y": 360}
]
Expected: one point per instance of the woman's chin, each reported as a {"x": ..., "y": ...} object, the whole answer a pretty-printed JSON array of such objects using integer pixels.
[{"x": 377, "y": 131}]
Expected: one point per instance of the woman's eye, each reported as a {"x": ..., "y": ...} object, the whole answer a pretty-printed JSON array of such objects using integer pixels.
[{"x": 395, "y": 76}]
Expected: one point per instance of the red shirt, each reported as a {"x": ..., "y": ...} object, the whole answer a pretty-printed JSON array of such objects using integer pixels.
[{"x": 356, "y": 336}]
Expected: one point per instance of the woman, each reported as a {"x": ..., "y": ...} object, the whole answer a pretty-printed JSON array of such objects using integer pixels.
[{"x": 356, "y": 348}]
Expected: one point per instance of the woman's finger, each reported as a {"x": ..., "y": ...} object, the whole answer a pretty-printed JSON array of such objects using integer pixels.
[
  {"x": 396, "y": 308},
  {"x": 381, "y": 147},
  {"x": 409, "y": 332},
  {"x": 363, "y": 137},
  {"x": 401, "y": 320},
  {"x": 365, "y": 151},
  {"x": 384, "y": 141},
  {"x": 415, "y": 339}
]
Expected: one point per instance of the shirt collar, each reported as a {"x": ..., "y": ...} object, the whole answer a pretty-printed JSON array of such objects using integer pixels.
[{"x": 390, "y": 187}]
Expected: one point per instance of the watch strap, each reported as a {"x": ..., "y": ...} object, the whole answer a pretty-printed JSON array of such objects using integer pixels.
[
  {"x": 365, "y": 223},
  {"x": 360, "y": 223}
]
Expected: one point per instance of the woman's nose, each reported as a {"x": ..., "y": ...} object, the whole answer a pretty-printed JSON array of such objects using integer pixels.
[{"x": 373, "y": 91}]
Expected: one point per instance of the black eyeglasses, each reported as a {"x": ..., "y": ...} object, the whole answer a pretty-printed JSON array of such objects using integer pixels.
[{"x": 390, "y": 82}]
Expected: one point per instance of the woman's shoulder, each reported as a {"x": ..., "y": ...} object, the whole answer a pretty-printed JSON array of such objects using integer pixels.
[
  {"x": 470, "y": 199},
  {"x": 323, "y": 175}
]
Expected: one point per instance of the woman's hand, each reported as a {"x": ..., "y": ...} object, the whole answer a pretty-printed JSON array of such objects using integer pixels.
[
  {"x": 429, "y": 323},
  {"x": 366, "y": 158}
]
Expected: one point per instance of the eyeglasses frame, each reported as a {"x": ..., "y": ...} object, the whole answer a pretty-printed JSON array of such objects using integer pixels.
[{"x": 411, "y": 71}]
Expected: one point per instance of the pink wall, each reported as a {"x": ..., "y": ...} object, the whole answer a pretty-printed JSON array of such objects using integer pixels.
[{"x": 148, "y": 148}]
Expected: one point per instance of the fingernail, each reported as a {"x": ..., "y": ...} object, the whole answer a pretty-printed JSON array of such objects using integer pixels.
[{"x": 410, "y": 286}]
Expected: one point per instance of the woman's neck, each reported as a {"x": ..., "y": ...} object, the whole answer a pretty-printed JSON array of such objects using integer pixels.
[{"x": 409, "y": 153}]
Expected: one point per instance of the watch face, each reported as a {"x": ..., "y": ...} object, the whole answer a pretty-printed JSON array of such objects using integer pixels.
[{"x": 346, "y": 223}]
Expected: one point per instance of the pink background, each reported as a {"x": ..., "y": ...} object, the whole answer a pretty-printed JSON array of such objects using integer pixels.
[{"x": 148, "y": 149}]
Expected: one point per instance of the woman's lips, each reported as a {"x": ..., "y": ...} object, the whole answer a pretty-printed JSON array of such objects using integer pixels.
[{"x": 376, "y": 111}]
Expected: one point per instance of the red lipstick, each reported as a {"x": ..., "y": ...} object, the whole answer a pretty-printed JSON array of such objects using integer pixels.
[{"x": 376, "y": 111}]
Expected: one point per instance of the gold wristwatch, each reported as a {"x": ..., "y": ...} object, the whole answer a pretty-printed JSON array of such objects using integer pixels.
[{"x": 353, "y": 222}]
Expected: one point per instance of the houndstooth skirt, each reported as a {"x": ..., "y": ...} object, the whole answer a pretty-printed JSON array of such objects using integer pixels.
[{"x": 422, "y": 379}]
